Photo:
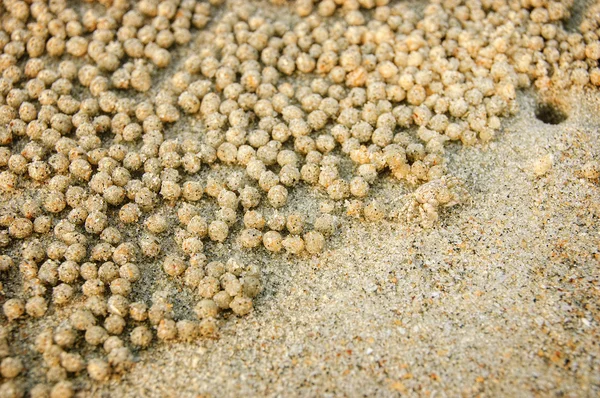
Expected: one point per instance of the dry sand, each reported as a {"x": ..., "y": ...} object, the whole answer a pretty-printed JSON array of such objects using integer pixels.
[{"x": 501, "y": 299}]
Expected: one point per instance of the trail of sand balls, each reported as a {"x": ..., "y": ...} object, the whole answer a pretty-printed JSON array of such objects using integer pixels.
[{"x": 115, "y": 141}]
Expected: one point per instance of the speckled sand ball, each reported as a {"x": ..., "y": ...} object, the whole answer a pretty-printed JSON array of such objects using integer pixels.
[
  {"x": 325, "y": 224},
  {"x": 112, "y": 343},
  {"x": 277, "y": 196},
  {"x": 13, "y": 309},
  {"x": 40, "y": 391},
  {"x": 114, "y": 324},
  {"x": 138, "y": 311},
  {"x": 272, "y": 241},
  {"x": 98, "y": 369},
  {"x": 218, "y": 231},
  {"x": 293, "y": 244},
  {"x": 206, "y": 309},
  {"x": 62, "y": 389},
  {"x": 187, "y": 330},
  {"x": 5, "y": 262},
  {"x": 314, "y": 242},
  {"x": 374, "y": 211},
  {"x": 141, "y": 336},
  {"x": 82, "y": 320},
  {"x": 208, "y": 327},
  {"x": 250, "y": 238},
  {"x": 167, "y": 330},
  {"x": 11, "y": 367},
  {"x": 72, "y": 363},
  {"x": 174, "y": 265},
  {"x": 36, "y": 307},
  {"x": 65, "y": 337},
  {"x": 120, "y": 359},
  {"x": 96, "y": 335},
  {"x": 11, "y": 389},
  {"x": 241, "y": 305}
]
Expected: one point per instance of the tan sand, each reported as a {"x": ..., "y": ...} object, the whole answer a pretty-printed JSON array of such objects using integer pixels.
[{"x": 501, "y": 299}]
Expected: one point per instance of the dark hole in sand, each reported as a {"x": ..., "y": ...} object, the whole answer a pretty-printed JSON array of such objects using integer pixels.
[{"x": 550, "y": 114}]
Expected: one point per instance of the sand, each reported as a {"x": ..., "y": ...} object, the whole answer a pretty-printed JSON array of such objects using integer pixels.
[{"x": 500, "y": 299}]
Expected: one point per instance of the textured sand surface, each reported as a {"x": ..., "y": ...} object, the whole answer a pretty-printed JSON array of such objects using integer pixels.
[{"x": 501, "y": 299}]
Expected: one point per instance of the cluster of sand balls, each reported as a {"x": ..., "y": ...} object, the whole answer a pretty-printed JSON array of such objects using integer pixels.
[{"x": 98, "y": 181}]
